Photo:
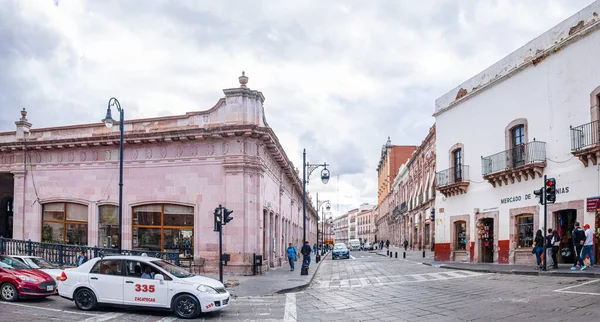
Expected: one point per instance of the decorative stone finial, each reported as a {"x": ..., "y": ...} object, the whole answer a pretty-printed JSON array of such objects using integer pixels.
[
  {"x": 24, "y": 115},
  {"x": 243, "y": 79}
]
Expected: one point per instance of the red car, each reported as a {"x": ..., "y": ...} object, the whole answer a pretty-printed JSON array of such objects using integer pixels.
[{"x": 18, "y": 280}]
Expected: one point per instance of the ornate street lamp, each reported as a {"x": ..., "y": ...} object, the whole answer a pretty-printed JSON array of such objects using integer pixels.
[
  {"x": 319, "y": 204},
  {"x": 109, "y": 121},
  {"x": 324, "y": 178}
]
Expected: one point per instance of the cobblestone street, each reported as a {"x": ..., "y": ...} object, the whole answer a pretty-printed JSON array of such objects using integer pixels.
[{"x": 369, "y": 287}]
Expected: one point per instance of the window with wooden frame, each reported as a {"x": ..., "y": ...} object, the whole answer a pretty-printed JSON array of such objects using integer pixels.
[
  {"x": 524, "y": 231},
  {"x": 65, "y": 223},
  {"x": 461, "y": 235},
  {"x": 163, "y": 228},
  {"x": 108, "y": 226}
]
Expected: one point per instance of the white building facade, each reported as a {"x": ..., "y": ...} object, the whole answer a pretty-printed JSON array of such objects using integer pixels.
[{"x": 533, "y": 113}]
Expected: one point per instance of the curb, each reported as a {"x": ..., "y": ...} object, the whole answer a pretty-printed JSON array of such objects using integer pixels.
[
  {"x": 303, "y": 286},
  {"x": 515, "y": 272}
]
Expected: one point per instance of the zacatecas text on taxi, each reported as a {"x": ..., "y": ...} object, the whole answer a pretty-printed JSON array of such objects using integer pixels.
[{"x": 142, "y": 281}]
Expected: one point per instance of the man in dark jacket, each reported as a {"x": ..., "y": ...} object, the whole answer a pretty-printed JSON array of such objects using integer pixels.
[
  {"x": 306, "y": 252},
  {"x": 578, "y": 235}
]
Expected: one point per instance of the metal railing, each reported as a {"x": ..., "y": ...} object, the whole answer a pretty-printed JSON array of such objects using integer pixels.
[
  {"x": 517, "y": 156},
  {"x": 66, "y": 255},
  {"x": 585, "y": 136},
  {"x": 452, "y": 175}
]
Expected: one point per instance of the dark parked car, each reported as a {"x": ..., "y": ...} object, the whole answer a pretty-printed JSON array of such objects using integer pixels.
[{"x": 18, "y": 280}]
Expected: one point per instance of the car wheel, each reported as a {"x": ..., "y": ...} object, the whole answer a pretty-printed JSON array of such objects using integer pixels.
[
  {"x": 85, "y": 299},
  {"x": 8, "y": 292},
  {"x": 186, "y": 306}
]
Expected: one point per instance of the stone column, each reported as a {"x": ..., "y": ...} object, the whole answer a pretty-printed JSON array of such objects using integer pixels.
[{"x": 19, "y": 196}]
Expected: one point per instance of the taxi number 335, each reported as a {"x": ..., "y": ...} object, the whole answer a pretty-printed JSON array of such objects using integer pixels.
[{"x": 144, "y": 288}]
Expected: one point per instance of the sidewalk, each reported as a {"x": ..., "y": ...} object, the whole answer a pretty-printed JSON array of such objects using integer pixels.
[
  {"x": 563, "y": 269},
  {"x": 275, "y": 280}
]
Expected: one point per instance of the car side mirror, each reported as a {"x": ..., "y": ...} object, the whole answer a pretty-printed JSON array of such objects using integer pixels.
[{"x": 159, "y": 277}]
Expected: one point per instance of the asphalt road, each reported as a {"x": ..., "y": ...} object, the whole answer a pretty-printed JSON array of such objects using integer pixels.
[{"x": 369, "y": 287}]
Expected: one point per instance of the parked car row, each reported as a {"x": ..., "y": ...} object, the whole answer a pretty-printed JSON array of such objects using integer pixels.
[
  {"x": 115, "y": 280},
  {"x": 19, "y": 280}
]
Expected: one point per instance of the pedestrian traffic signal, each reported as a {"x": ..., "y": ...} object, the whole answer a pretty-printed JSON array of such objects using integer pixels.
[
  {"x": 540, "y": 193},
  {"x": 218, "y": 218},
  {"x": 227, "y": 214},
  {"x": 550, "y": 190}
]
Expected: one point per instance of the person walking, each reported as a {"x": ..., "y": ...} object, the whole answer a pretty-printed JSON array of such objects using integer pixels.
[
  {"x": 578, "y": 236},
  {"x": 387, "y": 244},
  {"x": 588, "y": 246},
  {"x": 291, "y": 252},
  {"x": 539, "y": 248},
  {"x": 548, "y": 256},
  {"x": 555, "y": 247},
  {"x": 306, "y": 253},
  {"x": 405, "y": 244}
]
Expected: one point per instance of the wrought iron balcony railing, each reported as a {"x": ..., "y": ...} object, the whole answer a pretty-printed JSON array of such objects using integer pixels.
[
  {"x": 522, "y": 154},
  {"x": 585, "y": 136},
  {"x": 452, "y": 175}
]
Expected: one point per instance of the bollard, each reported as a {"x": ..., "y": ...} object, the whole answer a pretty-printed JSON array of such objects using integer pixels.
[
  {"x": 404, "y": 255},
  {"x": 388, "y": 252},
  {"x": 396, "y": 254},
  {"x": 423, "y": 254}
]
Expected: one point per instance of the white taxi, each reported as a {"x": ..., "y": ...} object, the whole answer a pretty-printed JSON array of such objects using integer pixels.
[{"x": 142, "y": 281}]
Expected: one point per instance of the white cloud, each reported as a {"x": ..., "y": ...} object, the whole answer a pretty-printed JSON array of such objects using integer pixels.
[{"x": 339, "y": 76}]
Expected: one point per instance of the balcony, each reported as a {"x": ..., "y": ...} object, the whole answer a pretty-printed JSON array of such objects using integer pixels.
[
  {"x": 521, "y": 162},
  {"x": 585, "y": 142},
  {"x": 453, "y": 181}
]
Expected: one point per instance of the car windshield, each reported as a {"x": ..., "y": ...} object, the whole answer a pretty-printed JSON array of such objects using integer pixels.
[
  {"x": 42, "y": 263},
  {"x": 172, "y": 269},
  {"x": 339, "y": 247},
  {"x": 11, "y": 263}
]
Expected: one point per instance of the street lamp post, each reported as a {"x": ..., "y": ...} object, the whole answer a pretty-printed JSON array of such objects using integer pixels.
[
  {"x": 324, "y": 177},
  {"x": 319, "y": 204},
  {"x": 109, "y": 121}
]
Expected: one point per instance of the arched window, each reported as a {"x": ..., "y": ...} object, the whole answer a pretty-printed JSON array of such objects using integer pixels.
[
  {"x": 108, "y": 226},
  {"x": 65, "y": 223},
  {"x": 457, "y": 157},
  {"x": 163, "y": 228}
]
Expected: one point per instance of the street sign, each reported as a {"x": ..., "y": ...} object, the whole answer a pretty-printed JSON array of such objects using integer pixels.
[{"x": 593, "y": 204}]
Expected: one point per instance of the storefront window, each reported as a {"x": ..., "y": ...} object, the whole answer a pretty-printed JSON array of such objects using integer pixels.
[
  {"x": 64, "y": 223},
  {"x": 524, "y": 231},
  {"x": 163, "y": 228},
  {"x": 461, "y": 235},
  {"x": 108, "y": 226}
]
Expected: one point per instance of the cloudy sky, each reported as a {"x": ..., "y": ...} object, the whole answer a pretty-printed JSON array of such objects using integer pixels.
[{"x": 339, "y": 77}]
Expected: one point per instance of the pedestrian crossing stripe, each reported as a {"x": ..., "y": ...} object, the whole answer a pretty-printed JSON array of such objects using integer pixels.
[{"x": 395, "y": 279}]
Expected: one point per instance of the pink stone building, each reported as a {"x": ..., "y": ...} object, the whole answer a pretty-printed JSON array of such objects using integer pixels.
[{"x": 61, "y": 184}]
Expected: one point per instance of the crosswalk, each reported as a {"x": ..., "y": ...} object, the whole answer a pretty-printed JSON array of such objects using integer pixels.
[{"x": 392, "y": 280}]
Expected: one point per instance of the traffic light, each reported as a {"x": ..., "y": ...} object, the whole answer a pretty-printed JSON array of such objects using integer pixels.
[
  {"x": 540, "y": 193},
  {"x": 227, "y": 214},
  {"x": 218, "y": 218},
  {"x": 550, "y": 190}
]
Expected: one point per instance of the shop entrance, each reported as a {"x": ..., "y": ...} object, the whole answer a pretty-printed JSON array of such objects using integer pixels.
[
  {"x": 487, "y": 240},
  {"x": 565, "y": 222},
  {"x": 6, "y": 204}
]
